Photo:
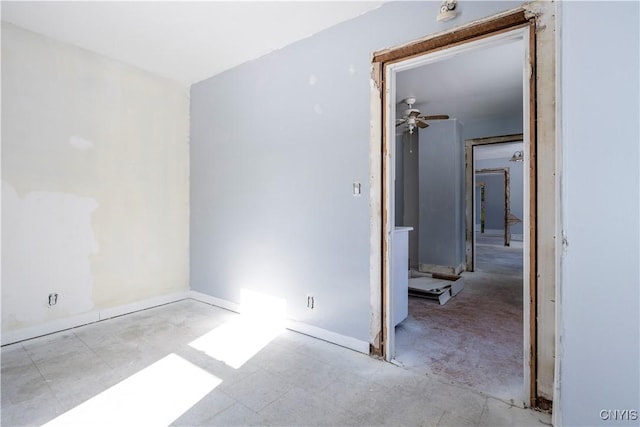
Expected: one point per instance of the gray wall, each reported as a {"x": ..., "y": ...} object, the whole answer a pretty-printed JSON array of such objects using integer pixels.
[
  {"x": 275, "y": 146},
  {"x": 407, "y": 195},
  {"x": 494, "y": 201},
  {"x": 495, "y": 193},
  {"x": 599, "y": 295},
  {"x": 441, "y": 189},
  {"x": 493, "y": 126}
]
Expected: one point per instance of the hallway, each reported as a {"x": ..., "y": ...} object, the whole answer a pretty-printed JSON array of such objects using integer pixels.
[{"x": 475, "y": 339}]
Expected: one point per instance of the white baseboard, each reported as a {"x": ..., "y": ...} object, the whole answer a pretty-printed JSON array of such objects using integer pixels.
[
  {"x": 29, "y": 332},
  {"x": 227, "y": 305},
  {"x": 98, "y": 315},
  {"x": 142, "y": 305},
  {"x": 294, "y": 325},
  {"x": 329, "y": 336},
  {"x": 442, "y": 269},
  {"x": 86, "y": 318}
]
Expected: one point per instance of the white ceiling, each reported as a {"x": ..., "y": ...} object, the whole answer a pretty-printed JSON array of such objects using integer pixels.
[
  {"x": 191, "y": 41},
  {"x": 184, "y": 41},
  {"x": 474, "y": 85}
]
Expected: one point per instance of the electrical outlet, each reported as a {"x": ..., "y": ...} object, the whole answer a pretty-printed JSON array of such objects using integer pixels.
[
  {"x": 53, "y": 299},
  {"x": 311, "y": 302}
]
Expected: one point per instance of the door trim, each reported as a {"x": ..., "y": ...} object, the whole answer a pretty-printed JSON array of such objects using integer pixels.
[
  {"x": 541, "y": 48},
  {"x": 469, "y": 173}
]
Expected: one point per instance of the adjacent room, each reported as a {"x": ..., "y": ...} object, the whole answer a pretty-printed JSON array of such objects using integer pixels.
[
  {"x": 464, "y": 318},
  {"x": 199, "y": 202}
]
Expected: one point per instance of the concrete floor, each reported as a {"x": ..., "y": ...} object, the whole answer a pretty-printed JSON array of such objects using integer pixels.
[
  {"x": 475, "y": 339},
  {"x": 140, "y": 369}
]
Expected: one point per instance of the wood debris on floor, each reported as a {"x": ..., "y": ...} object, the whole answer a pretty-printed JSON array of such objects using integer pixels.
[{"x": 437, "y": 287}]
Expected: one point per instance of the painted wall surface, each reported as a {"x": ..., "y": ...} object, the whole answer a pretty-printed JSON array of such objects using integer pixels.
[
  {"x": 276, "y": 144},
  {"x": 600, "y": 292},
  {"x": 493, "y": 126},
  {"x": 407, "y": 193},
  {"x": 399, "y": 180},
  {"x": 441, "y": 192},
  {"x": 495, "y": 193},
  {"x": 494, "y": 200},
  {"x": 94, "y": 182}
]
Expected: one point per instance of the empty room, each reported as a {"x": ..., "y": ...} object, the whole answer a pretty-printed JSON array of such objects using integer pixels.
[{"x": 233, "y": 213}]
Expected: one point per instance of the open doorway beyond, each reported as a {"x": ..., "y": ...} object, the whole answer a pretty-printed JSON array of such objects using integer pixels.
[
  {"x": 540, "y": 147},
  {"x": 474, "y": 340}
]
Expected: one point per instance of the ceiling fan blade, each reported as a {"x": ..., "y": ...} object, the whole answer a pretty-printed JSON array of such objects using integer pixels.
[
  {"x": 440, "y": 117},
  {"x": 399, "y": 123},
  {"x": 422, "y": 124},
  {"x": 414, "y": 113}
]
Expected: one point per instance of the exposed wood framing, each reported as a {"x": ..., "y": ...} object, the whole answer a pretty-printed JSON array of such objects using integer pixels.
[
  {"x": 375, "y": 211},
  {"x": 533, "y": 221},
  {"x": 506, "y": 21},
  {"x": 469, "y": 171},
  {"x": 545, "y": 229},
  {"x": 540, "y": 18},
  {"x": 507, "y": 198}
]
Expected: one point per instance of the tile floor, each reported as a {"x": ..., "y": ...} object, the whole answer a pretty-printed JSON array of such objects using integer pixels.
[{"x": 93, "y": 375}]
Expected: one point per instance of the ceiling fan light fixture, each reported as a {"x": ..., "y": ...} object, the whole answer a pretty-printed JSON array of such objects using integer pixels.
[{"x": 413, "y": 119}]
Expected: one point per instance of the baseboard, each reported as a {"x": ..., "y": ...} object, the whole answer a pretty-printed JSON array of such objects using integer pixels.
[
  {"x": 442, "y": 269},
  {"x": 142, "y": 305},
  {"x": 96, "y": 316},
  {"x": 294, "y": 325},
  {"x": 59, "y": 325},
  {"x": 218, "y": 302},
  {"x": 329, "y": 336},
  {"x": 491, "y": 232}
]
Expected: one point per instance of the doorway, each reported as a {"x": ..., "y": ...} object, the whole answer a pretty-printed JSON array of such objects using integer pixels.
[{"x": 386, "y": 66}]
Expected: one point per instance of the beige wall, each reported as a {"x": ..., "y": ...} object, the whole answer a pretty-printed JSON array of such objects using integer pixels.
[{"x": 95, "y": 192}]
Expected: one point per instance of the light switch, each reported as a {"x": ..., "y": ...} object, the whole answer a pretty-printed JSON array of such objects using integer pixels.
[{"x": 356, "y": 189}]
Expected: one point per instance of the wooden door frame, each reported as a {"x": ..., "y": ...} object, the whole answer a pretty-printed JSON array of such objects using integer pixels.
[
  {"x": 528, "y": 16},
  {"x": 506, "y": 174},
  {"x": 469, "y": 156}
]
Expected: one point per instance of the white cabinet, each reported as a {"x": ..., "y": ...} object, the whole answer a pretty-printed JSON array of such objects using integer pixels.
[{"x": 400, "y": 273}]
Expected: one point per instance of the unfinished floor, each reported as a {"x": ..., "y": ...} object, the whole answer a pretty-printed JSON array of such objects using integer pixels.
[
  {"x": 142, "y": 369},
  {"x": 475, "y": 339}
]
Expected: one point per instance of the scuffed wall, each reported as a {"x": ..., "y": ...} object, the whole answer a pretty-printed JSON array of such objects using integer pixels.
[{"x": 95, "y": 171}]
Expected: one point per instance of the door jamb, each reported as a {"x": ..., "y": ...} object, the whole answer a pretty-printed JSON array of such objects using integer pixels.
[
  {"x": 469, "y": 144},
  {"x": 507, "y": 198},
  {"x": 379, "y": 161}
]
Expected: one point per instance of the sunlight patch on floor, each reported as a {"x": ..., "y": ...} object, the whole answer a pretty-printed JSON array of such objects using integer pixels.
[
  {"x": 155, "y": 396},
  {"x": 237, "y": 341}
]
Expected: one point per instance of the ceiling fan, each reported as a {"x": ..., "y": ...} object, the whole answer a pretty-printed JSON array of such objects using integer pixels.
[{"x": 412, "y": 117}]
